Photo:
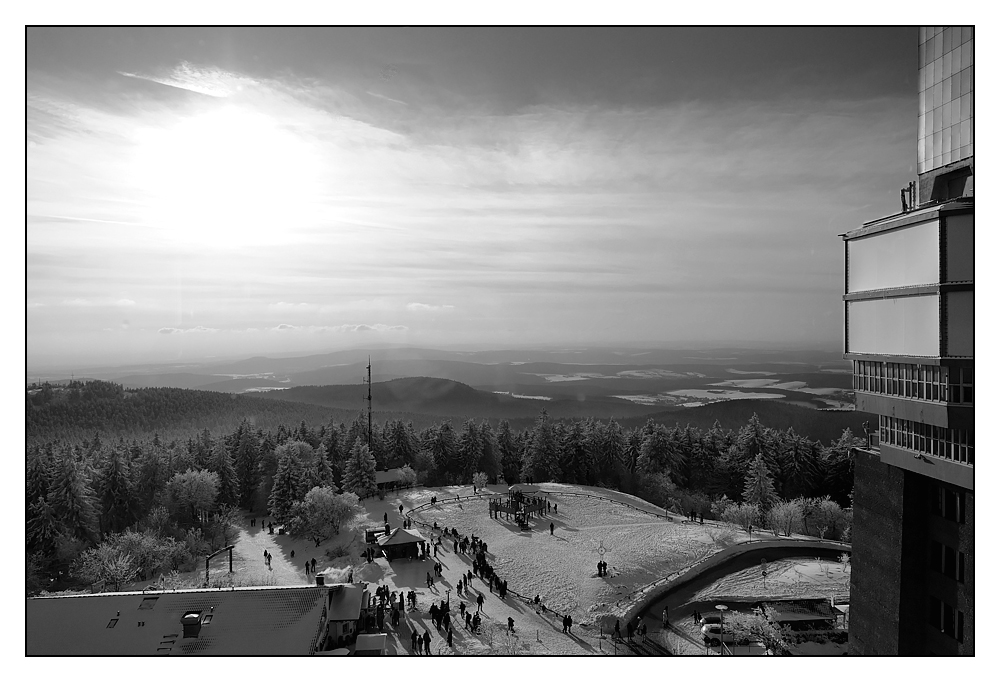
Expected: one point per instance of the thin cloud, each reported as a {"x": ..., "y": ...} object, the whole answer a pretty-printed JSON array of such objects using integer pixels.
[
  {"x": 205, "y": 81},
  {"x": 190, "y": 330},
  {"x": 388, "y": 99},
  {"x": 427, "y": 308}
]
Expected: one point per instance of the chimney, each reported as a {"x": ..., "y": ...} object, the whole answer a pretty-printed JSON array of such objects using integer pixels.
[
  {"x": 319, "y": 580},
  {"x": 192, "y": 623}
]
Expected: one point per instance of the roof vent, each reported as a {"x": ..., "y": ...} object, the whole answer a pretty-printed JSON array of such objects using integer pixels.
[
  {"x": 320, "y": 580},
  {"x": 192, "y": 623}
]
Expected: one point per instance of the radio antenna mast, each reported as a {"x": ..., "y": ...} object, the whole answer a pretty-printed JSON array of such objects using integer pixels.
[{"x": 369, "y": 399}]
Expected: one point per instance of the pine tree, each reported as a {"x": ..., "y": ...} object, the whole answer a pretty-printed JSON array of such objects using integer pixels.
[
  {"x": 610, "y": 454},
  {"x": 247, "y": 467},
  {"x": 37, "y": 480},
  {"x": 401, "y": 445},
  {"x": 119, "y": 505},
  {"x": 359, "y": 471},
  {"x": 444, "y": 448},
  {"x": 488, "y": 461},
  {"x": 510, "y": 454},
  {"x": 759, "y": 489},
  {"x": 221, "y": 463},
  {"x": 43, "y": 527},
  {"x": 542, "y": 457},
  {"x": 320, "y": 473},
  {"x": 72, "y": 500},
  {"x": 574, "y": 460},
  {"x": 287, "y": 488},
  {"x": 470, "y": 449}
]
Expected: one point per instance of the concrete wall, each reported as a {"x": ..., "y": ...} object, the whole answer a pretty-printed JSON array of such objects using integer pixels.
[{"x": 876, "y": 536}]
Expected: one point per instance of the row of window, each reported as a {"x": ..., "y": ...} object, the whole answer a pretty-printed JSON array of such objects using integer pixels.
[
  {"x": 948, "y": 64},
  {"x": 949, "y": 504},
  {"x": 946, "y": 618},
  {"x": 935, "y": 41},
  {"x": 947, "y": 560},
  {"x": 924, "y": 382},
  {"x": 937, "y": 441}
]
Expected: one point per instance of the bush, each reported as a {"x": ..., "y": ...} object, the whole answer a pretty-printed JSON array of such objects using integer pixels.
[{"x": 337, "y": 552}]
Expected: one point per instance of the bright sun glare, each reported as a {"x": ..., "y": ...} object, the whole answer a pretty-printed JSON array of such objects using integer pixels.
[{"x": 228, "y": 177}]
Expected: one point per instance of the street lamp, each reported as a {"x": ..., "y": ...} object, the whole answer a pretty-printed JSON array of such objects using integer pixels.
[{"x": 722, "y": 617}]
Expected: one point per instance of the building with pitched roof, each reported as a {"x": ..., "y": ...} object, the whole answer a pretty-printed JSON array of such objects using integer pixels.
[
  {"x": 402, "y": 544},
  {"x": 247, "y": 621}
]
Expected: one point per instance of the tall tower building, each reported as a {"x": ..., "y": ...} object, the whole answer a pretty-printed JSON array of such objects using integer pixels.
[{"x": 909, "y": 315}]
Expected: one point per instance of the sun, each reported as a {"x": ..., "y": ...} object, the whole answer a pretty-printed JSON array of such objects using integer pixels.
[{"x": 227, "y": 177}]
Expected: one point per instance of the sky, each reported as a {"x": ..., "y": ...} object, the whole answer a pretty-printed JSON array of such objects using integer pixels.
[{"x": 197, "y": 192}]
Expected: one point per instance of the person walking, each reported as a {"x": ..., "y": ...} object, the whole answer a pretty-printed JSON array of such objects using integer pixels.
[
  {"x": 314, "y": 565},
  {"x": 430, "y": 580},
  {"x": 510, "y": 624},
  {"x": 565, "y": 623},
  {"x": 427, "y": 643},
  {"x": 307, "y": 568},
  {"x": 479, "y": 602},
  {"x": 569, "y": 622},
  {"x": 413, "y": 642},
  {"x": 629, "y": 629},
  {"x": 552, "y": 529},
  {"x": 449, "y": 637},
  {"x": 385, "y": 517},
  {"x": 618, "y": 630}
]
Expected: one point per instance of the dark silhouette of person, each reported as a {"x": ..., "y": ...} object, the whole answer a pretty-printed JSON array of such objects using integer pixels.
[{"x": 552, "y": 529}]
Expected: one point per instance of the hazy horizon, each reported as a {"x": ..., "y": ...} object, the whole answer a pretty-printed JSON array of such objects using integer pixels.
[{"x": 196, "y": 192}]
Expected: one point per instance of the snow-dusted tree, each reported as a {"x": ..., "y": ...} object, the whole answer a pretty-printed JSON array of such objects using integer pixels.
[
  {"x": 359, "y": 471},
  {"x": 193, "y": 492},
  {"x": 319, "y": 473},
  {"x": 744, "y": 515},
  {"x": 287, "y": 487},
  {"x": 757, "y": 626},
  {"x": 106, "y": 564},
  {"x": 480, "y": 480},
  {"x": 785, "y": 517},
  {"x": 322, "y": 512},
  {"x": 759, "y": 489},
  {"x": 407, "y": 476}
]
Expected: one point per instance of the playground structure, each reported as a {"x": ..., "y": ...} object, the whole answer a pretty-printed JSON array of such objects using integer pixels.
[{"x": 519, "y": 503}]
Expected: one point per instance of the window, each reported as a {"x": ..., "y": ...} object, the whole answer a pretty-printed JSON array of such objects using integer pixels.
[
  {"x": 113, "y": 622},
  {"x": 148, "y": 603},
  {"x": 948, "y": 561},
  {"x": 945, "y": 618}
]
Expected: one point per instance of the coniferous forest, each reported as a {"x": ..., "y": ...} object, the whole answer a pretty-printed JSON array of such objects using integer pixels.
[{"x": 167, "y": 499}]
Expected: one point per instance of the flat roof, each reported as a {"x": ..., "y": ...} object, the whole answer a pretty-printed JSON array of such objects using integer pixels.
[{"x": 375, "y": 642}]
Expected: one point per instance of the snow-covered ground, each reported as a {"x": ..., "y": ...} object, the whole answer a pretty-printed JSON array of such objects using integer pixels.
[{"x": 560, "y": 567}]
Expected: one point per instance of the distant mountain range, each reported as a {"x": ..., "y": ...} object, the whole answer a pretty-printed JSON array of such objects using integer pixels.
[{"x": 675, "y": 386}]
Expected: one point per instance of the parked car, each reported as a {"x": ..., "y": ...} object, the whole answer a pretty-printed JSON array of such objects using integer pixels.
[{"x": 710, "y": 619}]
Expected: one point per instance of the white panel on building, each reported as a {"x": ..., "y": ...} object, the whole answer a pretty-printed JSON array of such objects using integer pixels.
[
  {"x": 898, "y": 258},
  {"x": 894, "y": 326}
]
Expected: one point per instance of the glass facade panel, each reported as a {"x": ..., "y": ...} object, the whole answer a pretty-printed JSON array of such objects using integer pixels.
[{"x": 946, "y": 79}]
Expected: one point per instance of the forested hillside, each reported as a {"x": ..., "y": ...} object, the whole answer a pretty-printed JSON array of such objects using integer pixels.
[
  {"x": 80, "y": 409},
  {"x": 180, "y": 493}
]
